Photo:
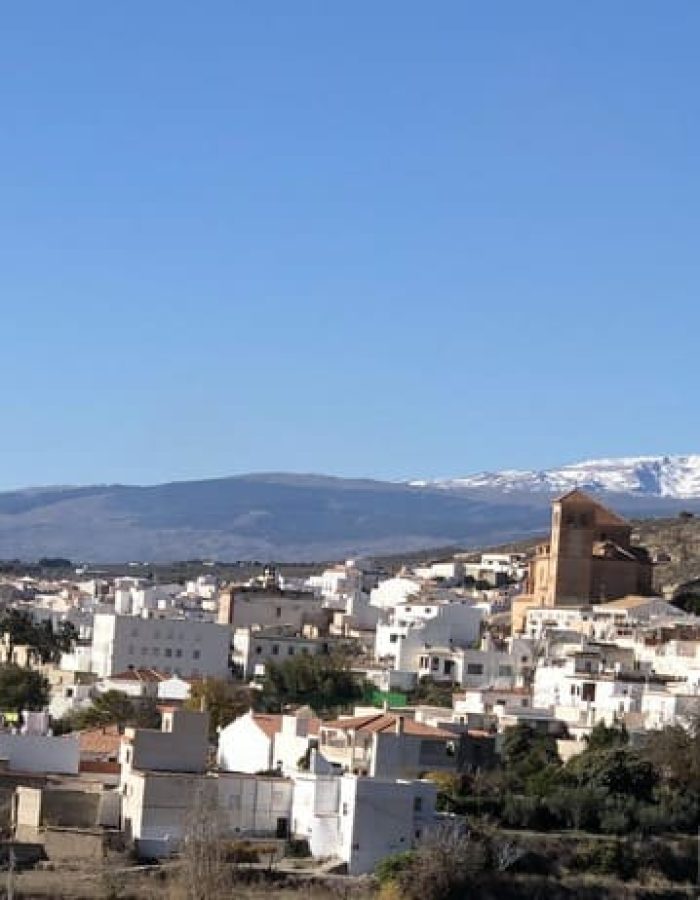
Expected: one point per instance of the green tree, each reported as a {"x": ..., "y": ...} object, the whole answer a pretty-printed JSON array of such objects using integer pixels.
[
  {"x": 223, "y": 701},
  {"x": 432, "y": 693},
  {"x": 115, "y": 708},
  {"x": 22, "y": 689},
  {"x": 618, "y": 771},
  {"x": 325, "y": 683},
  {"x": 47, "y": 644},
  {"x": 604, "y": 737},
  {"x": 675, "y": 753},
  {"x": 526, "y": 753}
]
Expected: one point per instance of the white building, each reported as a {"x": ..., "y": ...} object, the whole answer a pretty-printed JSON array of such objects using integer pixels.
[
  {"x": 415, "y": 625},
  {"x": 40, "y": 753},
  {"x": 603, "y": 620},
  {"x": 269, "y": 607},
  {"x": 357, "y": 821},
  {"x": 450, "y": 572},
  {"x": 172, "y": 645},
  {"x": 253, "y": 648},
  {"x": 246, "y": 744},
  {"x": 393, "y": 591},
  {"x": 360, "y": 820},
  {"x": 259, "y": 742}
]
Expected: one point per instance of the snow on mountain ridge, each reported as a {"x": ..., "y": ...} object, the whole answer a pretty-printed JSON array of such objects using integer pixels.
[{"x": 676, "y": 477}]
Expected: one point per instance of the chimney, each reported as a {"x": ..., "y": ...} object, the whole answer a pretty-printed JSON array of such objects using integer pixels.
[{"x": 399, "y": 725}]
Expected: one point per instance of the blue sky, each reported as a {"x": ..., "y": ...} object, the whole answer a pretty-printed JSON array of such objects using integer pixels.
[{"x": 391, "y": 239}]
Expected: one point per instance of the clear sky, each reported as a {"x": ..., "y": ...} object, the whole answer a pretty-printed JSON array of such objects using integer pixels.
[{"x": 393, "y": 239}]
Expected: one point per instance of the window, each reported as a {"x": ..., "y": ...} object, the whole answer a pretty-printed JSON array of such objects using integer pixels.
[
  {"x": 278, "y": 612},
  {"x": 290, "y": 651},
  {"x": 588, "y": 692},
  {"x": 178, "y": 653},
  {"x": 475, "y": 669},
  {"x": 275, "y": 649},
  {"x": 258, "y": 650},
  {"x": 345, "y": 809},
  {"x": 196, "y": 654},
  {"x": 393, "y": 638},
  {"x": 505, "y": 670},
  {"x": 417, "y": 804},
  {"x": 168, "y": 652}
]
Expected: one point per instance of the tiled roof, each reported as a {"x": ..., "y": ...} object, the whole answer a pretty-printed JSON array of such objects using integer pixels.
[
  {"x": 138, "y": 675},
  {"x": 269, "y": 724},
  {"x": 382, "y": 722},
  {"x": 100, "y": 741}
]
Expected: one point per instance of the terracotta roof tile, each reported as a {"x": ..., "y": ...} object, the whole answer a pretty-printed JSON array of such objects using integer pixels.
[
  {"x": 142, "y": 674},
  {"x": 100, "y": 741},
  {"x": 269, "y": 724},
  {"x": 382, "y": 722}
]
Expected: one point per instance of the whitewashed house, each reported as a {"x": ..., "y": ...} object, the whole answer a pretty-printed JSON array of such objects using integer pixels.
[
  {"x": 169, "y": 644},
  {"x": 359, "y": 821}
]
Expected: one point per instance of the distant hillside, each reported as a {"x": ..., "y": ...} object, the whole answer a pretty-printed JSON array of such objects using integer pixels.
[
  {"x": 680, "y": 539},
  {"x": 677, "y": 538},
  {"x": 273, "y": 517}
]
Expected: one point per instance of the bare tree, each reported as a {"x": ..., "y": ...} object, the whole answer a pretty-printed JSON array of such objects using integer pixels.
[
  {"x": 444, "y": 863},
  {"x": 203, "y": 873},
  {"x": 506, "y": 854}
]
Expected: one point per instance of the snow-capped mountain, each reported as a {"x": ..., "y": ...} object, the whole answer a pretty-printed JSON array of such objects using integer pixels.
[{"x": 676, "y": 477}]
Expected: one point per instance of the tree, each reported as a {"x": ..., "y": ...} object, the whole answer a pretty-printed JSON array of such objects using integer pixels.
[
  {"x": 604, "y": 737},
  {"x": 324, "y": 682},
  {"x": 203, "y": 873},
  {"x": 47, "y": 644},
  {"x": 116, "y": 708},
  {"x": 675, "y": 753},
  {"x": 22, "y": 689},
  {"x": 223, "y": 701},
  {"x": 527, "y": 752},
  {"x": 441, "y": 867},
  {"x": 618, "y": 771},
  {"x": 432, "y": 693}
]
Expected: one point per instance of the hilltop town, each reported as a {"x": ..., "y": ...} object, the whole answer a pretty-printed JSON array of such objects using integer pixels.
[{"x": 327, "y": 722}]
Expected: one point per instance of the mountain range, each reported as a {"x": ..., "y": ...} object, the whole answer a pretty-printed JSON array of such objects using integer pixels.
[
  {"x": 289, "y": 517},
  {"x": 677, "y": 477}
]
